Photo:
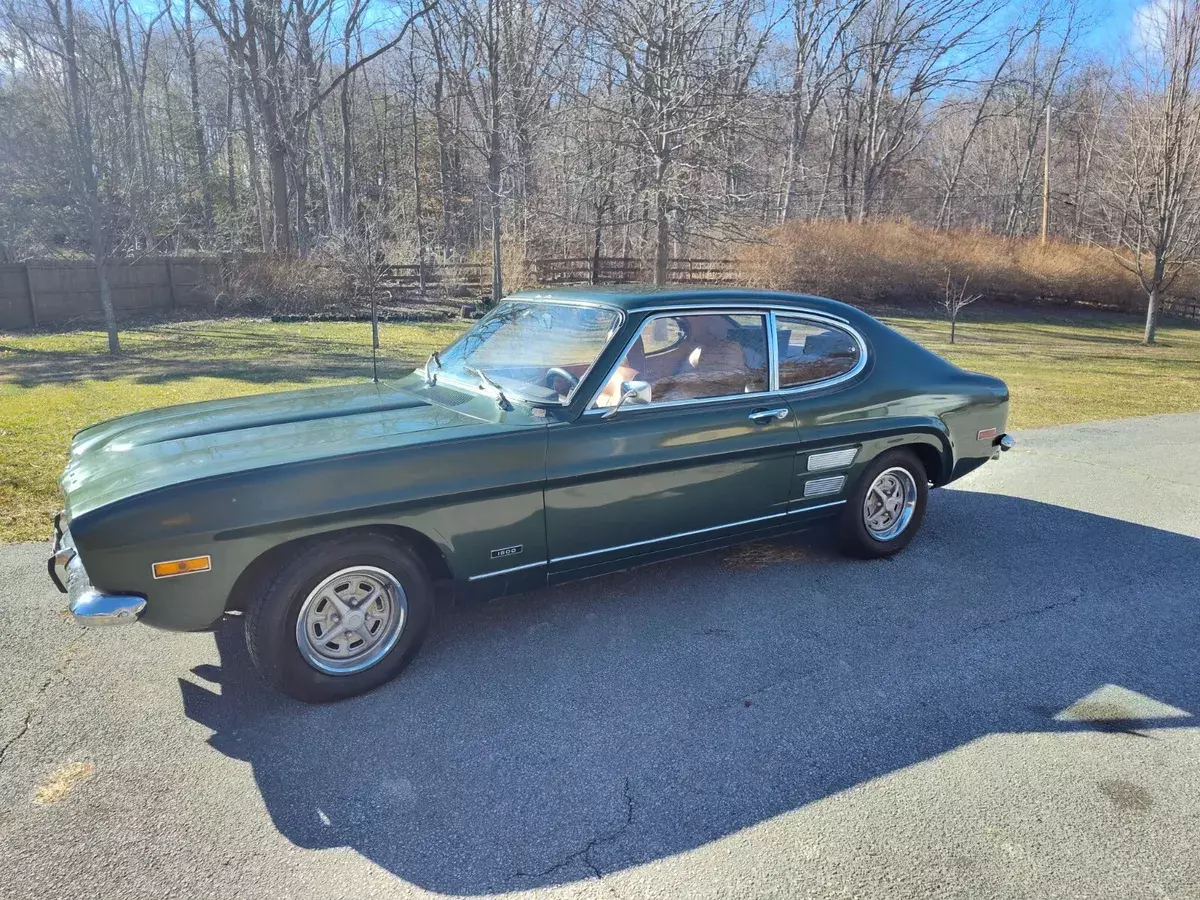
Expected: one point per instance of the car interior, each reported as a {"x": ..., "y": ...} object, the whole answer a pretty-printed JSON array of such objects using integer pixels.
[{"x": 709, "y": 355}]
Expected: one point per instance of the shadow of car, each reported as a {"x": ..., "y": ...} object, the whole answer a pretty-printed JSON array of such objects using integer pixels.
[{"x": 549, "y": 738}]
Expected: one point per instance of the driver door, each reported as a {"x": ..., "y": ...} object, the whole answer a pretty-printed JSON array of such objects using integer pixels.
[{"x": 708, "y": 457}]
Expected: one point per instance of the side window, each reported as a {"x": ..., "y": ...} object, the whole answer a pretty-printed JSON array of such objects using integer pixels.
[
  {"x": 662, "y": 334},
  {"x": 810, "y": 351},
  {"x": 694, "y": 357}
]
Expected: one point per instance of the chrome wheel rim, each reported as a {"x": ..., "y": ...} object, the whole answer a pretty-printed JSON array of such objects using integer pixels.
[
  {"x": 890, "y": 503},
  {"x": 351, "y": 620}
]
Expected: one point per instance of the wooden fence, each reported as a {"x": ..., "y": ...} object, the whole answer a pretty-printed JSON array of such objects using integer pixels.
[
  {"x": 626, "y": 270},
  {"x": 1182, "y": 307},
  {"x": 59, "y": 292},
  {"x": 449, "y": 278},
  {"x": 63, "y": 292}
]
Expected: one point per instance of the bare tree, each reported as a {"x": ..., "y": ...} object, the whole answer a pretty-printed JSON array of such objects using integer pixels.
[
  {"x": 954, "y": 300},
  {"x": 1158, "y": 154},
  {"x": 680, "y": 76},
  {"x": 819, "y": 28},
  {"x": 86, "y": 171}
]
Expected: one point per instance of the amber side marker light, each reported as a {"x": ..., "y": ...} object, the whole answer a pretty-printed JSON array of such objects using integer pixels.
[{"x": 182, "y": 566}]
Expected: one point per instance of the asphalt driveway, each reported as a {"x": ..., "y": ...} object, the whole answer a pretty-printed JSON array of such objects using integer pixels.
[{"x": 1008, "y": 709}]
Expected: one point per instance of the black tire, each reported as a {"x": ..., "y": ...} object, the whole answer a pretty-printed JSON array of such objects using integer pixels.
[
  {"x": 855, "y": 537},
  {"x": 271, "y": 619}
]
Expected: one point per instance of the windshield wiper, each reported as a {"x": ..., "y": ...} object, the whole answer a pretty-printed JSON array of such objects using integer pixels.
[
  {"x": 433, "y": 358},
  {"x": 493, "y": 389}
]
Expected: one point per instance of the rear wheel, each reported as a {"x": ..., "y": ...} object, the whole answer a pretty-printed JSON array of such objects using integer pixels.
[
  {"x": 340, "y": 618},
  {"x": 885, "y": 510}
]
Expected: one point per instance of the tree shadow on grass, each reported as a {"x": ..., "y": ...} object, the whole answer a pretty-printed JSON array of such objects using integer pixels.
[
  {"x": 214, "y": 353},
  {"x": 585, "y": 729}
]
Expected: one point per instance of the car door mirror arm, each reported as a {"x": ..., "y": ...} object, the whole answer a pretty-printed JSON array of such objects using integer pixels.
[{"x": 630, "y": 390}]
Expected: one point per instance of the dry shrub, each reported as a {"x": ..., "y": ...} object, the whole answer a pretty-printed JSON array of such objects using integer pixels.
[
  {"x": 515, "y": 267},
  {"x": 904, "y": 264},
  {"x": 287, "y": 286}
]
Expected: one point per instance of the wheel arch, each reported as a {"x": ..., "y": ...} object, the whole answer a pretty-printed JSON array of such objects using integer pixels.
[
  {"x": 931, "y": 445},
  {"x": 931, "y": 458},
  {"x": 254, "y": 576}
]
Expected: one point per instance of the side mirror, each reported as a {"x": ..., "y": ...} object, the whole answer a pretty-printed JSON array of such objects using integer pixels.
[{"x": 636, "y": 391}]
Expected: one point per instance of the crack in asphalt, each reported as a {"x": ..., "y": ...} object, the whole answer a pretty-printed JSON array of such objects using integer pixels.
[
  {"x": 585, "y": 854},
  {"x": 58, "y": 671},
  {"x": 1027, "y": 614}
]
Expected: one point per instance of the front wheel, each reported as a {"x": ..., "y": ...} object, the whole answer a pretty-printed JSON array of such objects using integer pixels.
[
  {"x": 885, "y": 510},
  {"x": 340, "y": 618}
]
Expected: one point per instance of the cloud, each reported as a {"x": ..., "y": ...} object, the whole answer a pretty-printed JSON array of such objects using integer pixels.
[{"x": 1151, "y": 23}]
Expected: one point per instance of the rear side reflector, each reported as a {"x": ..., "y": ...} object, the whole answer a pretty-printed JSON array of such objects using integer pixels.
[
  {"x": 182, "y": 566},
  {"x": 987, "y": 434}
]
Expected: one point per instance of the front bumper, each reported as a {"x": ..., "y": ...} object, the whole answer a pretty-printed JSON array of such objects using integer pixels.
[{"x": 88, "y": 605}]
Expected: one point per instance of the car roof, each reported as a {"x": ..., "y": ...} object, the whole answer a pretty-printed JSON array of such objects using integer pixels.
[{"x": 639, "y": 297}]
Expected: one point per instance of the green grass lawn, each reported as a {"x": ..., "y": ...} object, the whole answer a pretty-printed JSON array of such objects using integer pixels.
[{"x": 1060, "y": 369}]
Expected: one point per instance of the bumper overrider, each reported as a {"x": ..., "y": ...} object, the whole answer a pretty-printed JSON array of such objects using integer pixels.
[{"x": 88, "y": 605}]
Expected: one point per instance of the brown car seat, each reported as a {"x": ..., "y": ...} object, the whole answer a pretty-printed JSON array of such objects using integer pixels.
[{"x": 715, "y": 365}]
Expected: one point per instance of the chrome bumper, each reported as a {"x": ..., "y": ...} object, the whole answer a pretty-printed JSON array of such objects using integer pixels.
[{"x": 88, "y": 605}]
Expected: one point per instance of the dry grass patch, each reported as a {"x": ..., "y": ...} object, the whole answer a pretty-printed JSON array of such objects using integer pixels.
[
  {"x": 63, "y": 781},
  {"x": 906, "y": 264},
  {"x": 761, "y": 554}
]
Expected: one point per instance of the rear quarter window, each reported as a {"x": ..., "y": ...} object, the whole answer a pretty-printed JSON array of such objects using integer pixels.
[{"x": 811, "y": 352}]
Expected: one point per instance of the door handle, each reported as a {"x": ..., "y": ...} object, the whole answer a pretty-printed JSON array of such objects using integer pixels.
[{"x": 766, "y": 415}]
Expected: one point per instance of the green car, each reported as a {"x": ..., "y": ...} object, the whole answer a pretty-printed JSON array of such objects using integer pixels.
[{"x": 571, "y": 432}]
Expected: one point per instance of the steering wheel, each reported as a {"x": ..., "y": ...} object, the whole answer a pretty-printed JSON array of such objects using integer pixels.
[{"x": 556, "y": 372}]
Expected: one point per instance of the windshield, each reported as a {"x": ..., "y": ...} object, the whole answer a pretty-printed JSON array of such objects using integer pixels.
[{"x": 535, "y": 351}]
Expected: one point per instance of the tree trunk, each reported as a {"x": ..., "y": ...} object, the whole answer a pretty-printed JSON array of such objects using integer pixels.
[
  {"x": 106, "y": 304},
  {"x": 197, "y": 117},
  {"x": 1151, "y": 318},
  {"x": 662, "y": 222},
  {"x": 494, "y": 150},
  {"x": 282, "y": 231},
  {"x": 418, "y": 217},
  {"x": 1155, "y": 292},
  {"x": 333, "y": 203},
  {"x": 348, "y": 215},
  {"x": 230, "y": 166},
  {"x": 252, "y": 161},
  {"x": 597, "y": 236},
  {"x": 85, "y": 161}
]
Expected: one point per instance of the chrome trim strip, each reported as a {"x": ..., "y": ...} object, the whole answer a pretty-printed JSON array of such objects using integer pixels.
[
  {"x": 793, "y": 512},
  {"x": 532, "y": 565},
  {"x": 818, "y": 487},
  {"x": 772, "y": 353},
  {"x": 742, "y": 305},
  {"x": 837, "y": 379},
  {"x": 771, "y": 311},
  {"x": 668, "y": 537},
  {"x": 831, "y": 459},
  {"x": 670, "y": 404},
  {"x": 592, "y": 409}
]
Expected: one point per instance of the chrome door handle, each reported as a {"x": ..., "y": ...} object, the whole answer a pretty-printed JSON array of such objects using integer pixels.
[{"x": 766, "y": 415}]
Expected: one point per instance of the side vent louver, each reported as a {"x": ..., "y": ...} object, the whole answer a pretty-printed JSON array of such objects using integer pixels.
[
  {"x": 819, "y": 487},
  {"x": 831, "y": 459}
]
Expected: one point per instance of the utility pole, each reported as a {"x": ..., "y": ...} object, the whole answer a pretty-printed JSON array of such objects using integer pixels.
[{"x": 1046, "y": 178}]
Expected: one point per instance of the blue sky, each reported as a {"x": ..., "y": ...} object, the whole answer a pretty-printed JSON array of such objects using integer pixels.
[{"x": 1113, "y": 26}]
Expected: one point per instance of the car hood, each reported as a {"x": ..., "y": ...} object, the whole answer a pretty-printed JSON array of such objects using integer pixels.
[{"x": 160, "y": 448}]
